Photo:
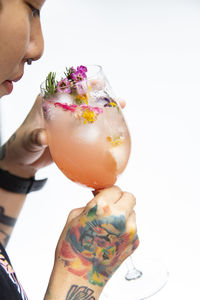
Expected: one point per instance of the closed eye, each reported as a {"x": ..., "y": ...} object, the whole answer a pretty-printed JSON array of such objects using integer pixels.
[{"x": 35, "y": 11}]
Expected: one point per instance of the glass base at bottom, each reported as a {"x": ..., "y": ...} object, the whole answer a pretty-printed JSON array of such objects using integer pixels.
[{"x": 154, "y": 277}]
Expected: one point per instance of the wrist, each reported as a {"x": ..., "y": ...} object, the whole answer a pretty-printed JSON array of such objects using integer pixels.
[
  {"x": 62, "y": 283},
  {"x": 10, "y": 164},
  {"x": 18, "y": 170}
]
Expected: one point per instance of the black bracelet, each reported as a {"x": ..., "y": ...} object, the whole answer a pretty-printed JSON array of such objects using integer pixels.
[{"x": 20, "y": 185}]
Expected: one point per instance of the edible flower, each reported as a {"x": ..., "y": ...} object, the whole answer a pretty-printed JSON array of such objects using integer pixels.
[
  {"x": 71, "y": 107},
  {"x": 80, "y": 74},
  {"x": 95, "y": 109},
  {"x": 66, "y": 85},
  {"x": 90, "y": 113},
  {"x": 63, "y": 86}
]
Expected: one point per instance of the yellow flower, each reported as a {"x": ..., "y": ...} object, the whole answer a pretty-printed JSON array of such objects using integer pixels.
[
  {"x": 112, "y": 103},
  {"x": 89, "y": 116},
  {"x": 115, "y": 141},
  {"x": 82, "y": 98}
]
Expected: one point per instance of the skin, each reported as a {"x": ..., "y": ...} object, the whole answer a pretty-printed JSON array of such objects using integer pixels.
[
  {"x": 110, "y": 209},
  {"x": 25, "y": 25},
  {"x": 27, "y": 151}
]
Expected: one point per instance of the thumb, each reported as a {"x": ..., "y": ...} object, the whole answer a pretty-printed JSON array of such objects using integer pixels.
[
  {"x": 75, "y": 213},
  {"x": 39, "y": 137}
]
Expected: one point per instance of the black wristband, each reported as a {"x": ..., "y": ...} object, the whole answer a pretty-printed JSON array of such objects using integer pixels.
[{"x": 19, "y": 185}]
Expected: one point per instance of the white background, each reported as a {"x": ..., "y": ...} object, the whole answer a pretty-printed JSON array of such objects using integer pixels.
[{"x": 150, "y": 51}]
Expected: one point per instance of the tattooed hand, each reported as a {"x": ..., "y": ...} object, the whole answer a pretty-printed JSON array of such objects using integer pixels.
[
  {"x": 27, "y": 151},
  {"x": 99, "y": 237}
]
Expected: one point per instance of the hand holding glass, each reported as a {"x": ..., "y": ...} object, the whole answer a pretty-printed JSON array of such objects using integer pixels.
[{"x": 90, "y": 143}]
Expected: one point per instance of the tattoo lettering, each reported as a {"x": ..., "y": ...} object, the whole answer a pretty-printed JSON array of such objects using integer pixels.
[
  {"x": 3, "y": 148},
  {"x": 80, "y": 293},
  {"x": 94, "y": 247}
]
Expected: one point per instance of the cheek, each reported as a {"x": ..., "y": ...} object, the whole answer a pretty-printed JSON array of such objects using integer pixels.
[
  {"x": 19, "y": 44},
  {"x": 14, "y": 38}
]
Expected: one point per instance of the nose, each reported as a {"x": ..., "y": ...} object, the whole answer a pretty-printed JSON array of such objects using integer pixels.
[{"x": 36, "y": 44}]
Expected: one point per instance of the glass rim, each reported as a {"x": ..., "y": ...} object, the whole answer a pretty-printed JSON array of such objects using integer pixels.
[{"x": 99, "y": 67}]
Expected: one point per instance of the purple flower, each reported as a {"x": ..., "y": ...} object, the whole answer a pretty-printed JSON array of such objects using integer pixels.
[
  {"x": 78, "y": 76},
  {"x": 82, "y": 69},
  {"x": 63, "y": 86}
]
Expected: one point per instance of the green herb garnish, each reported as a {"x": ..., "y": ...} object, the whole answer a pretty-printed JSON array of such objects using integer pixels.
[{"x": 50, "y": 85}]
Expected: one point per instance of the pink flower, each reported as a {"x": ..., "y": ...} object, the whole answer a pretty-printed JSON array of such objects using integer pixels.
[
  {"x": 78, "y": 76},
  {"x": 95, "y": 109},
  {"x": 71, "y": 107},
  {"x": 82, "y": 69},
  {"x": 63, "y": 86}
]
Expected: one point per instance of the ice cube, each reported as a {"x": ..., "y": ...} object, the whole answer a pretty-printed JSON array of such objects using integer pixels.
[
  {"x": 88, "y": 133},
  {"x": 120, "y": 156}
]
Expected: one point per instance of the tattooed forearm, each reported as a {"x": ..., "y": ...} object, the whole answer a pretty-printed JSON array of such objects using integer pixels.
[
  {"x": 80, "y": 293},
  {"x": 5, "y": 237},
  {"x": 4, "y": 147},
  {"x": 6, "y": 220}
]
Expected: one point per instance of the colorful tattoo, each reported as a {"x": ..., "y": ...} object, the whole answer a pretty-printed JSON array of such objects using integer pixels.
[
  {"x": 80, "y": 293},
  {"x": 94, "y": 247}
]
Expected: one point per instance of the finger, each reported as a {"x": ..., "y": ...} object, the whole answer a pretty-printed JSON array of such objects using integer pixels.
[
  {"x": 126, "y": 203},
  {"x": 131, "y": 226},
  {"x": 75, "y": 213},
  {"x": 39, "y": 137},
  {"x": 105, "y": 197},
  {"x": 109, "y": 195},
  {"x": 122, "y": 103},
  {"x": 131, "y": 222}
]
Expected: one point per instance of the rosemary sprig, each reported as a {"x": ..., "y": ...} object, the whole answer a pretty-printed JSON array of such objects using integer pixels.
[
  {"x": 50, "y": 85},
  {"x": 69, "y": 72}
]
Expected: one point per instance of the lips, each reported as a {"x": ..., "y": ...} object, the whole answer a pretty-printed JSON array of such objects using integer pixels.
[
  {"x": 8, "y": 85},
  {"x": 17, "y": 78}
]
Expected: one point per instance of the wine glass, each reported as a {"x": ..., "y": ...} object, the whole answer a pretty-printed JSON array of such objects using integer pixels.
[{"x": 90, "y": 142}]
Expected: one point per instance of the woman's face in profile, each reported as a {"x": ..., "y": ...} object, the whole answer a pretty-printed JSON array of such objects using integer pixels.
[{"x": 21, "y": 38}]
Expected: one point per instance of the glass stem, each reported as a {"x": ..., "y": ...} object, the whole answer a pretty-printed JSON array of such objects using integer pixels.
[{"x": 132, "y": 273}]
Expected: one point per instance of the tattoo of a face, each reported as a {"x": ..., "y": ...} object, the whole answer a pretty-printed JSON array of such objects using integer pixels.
[
  {"x": 80, "y": 293},
  {"x": 94, "y": 247},
  {"x": 3, "y": 148}
]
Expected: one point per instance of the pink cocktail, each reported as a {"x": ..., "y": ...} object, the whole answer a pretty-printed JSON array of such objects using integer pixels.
[{"x": 87, "y": 134}]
